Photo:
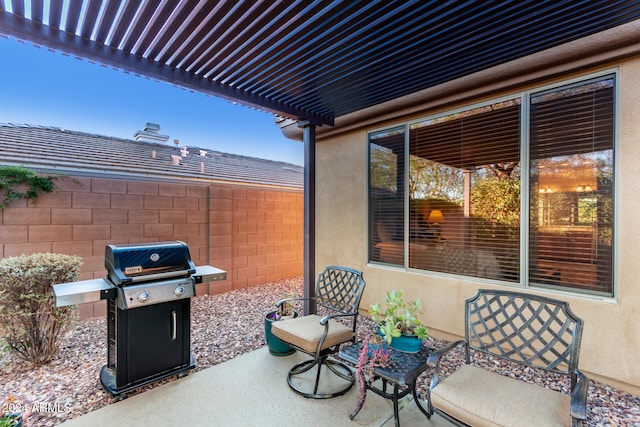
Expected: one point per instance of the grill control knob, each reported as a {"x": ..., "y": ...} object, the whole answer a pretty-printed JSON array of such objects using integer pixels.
[
  {"x": 143, "y": 296},
  {"x": 179, "y": 291}
]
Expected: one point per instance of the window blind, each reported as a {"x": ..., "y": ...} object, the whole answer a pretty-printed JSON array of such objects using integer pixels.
[
  {"x": 386, "y": 197},
  {"x": 465, "y": 192},
  {"x": 571, "y": 206}
]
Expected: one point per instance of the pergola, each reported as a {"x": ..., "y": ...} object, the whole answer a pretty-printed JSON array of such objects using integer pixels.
[{"x": 310, "y": 61}]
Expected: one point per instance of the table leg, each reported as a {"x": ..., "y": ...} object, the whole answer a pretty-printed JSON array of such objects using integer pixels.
[{"x": 396, "y": 414}]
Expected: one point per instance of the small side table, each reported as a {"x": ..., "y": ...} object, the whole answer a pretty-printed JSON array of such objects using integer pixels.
[{"x": 402, "y": 372}]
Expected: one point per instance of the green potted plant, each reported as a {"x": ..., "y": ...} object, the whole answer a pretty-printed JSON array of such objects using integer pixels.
[
  {"x": 11, "y": 420},
  {"x": 399, "y": 324},
  {"x": 283, "y": 311}
]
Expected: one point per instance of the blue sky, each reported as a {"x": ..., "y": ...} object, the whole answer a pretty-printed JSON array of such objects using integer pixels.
[{"x": 41, "y": 87}]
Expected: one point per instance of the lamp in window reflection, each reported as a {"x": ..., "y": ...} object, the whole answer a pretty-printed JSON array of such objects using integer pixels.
[
  {"x": 435, "y": 218},
  {"x": 583, "y": 187}
]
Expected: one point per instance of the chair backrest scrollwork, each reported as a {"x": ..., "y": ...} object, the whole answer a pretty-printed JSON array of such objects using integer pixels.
[
  {"x": 530, "y": 329},
  {"x": 340, "y": 289}
]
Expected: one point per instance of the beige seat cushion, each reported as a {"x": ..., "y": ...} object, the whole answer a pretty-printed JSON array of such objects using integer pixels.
[
  {"x": 305, "y": 332},
  {"x": 482, "y": 398}
]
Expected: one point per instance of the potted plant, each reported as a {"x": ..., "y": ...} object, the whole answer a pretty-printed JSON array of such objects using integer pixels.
[
  {"x": 11, "y": 420},
  {"x": 399, "y": 324},
  {"x": 283, "y": 311}
]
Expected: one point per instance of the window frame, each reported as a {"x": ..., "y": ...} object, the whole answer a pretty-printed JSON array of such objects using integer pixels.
[{"x": 525, "y": 99}]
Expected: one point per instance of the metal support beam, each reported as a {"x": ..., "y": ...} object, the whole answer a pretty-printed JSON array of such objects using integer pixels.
[{"x": 309, "y": 139}]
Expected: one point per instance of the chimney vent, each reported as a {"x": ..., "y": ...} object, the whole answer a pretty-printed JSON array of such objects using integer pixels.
[
  {"x": 152, "y": 127},
  {"x": 151, "y": 133}
]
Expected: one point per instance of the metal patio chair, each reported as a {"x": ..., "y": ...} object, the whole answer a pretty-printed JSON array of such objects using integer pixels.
[{"x": 338, "y": 293}]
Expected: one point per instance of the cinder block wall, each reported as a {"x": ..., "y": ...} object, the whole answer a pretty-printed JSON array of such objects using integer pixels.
[{"x": 253, "y": 233}]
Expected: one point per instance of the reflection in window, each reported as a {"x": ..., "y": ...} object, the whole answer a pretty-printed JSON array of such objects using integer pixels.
[
  {"x": 572, "y": 186},
  {"x": 464, "y": 190},
  {"x": 463, "y": 185}
]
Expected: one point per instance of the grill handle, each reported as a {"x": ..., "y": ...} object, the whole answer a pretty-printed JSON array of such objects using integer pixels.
[
  {"x": 174, "y": 324},
  {"x": 158, "y": 276}
]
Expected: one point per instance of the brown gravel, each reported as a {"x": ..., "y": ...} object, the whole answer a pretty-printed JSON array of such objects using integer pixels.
[{"x": 69, "y": 386}]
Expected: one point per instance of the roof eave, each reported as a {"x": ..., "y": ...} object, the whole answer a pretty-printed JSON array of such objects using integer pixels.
[
  {"x": 588, "y": 52},
  {"x": 71, "y": 44}
]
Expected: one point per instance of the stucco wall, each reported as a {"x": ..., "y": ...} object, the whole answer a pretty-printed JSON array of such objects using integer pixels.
[
  {"x": 255, "y": 234},
  {"x": 611, "y": 338}
]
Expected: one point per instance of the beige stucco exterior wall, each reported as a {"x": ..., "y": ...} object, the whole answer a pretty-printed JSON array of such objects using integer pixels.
[{"x": 611, "y": 338}]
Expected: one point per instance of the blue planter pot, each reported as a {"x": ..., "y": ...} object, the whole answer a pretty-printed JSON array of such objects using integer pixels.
[
  {"x": 405, "y": 343},
  {"x": 277, "y": 347}
]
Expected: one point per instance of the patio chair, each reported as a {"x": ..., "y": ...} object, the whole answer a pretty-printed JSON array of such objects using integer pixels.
[{"x": 338, "y": 293}]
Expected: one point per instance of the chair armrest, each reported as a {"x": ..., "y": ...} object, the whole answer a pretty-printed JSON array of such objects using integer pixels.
[
  {"x": 434, "y": 360},
  {"x": 579, "y": 397},
  {"x": 282, "y": 301},
  {"x": 326, "y": 318},
  {"x": 325, "y": 322}
]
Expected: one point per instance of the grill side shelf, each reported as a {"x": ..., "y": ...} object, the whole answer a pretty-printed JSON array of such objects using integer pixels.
[
  {"x": 207, "y": 273},
  {"x": 83, "y": 291}
]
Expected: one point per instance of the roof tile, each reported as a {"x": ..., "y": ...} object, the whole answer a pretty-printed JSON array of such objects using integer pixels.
[{"x": 53, "y": 148}]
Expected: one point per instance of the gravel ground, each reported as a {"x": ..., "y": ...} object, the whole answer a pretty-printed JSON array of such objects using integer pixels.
[{"x": 69, "y": 387}]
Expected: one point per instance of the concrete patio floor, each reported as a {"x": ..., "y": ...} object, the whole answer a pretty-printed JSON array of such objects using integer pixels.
[{"x": 250, "y": 390}]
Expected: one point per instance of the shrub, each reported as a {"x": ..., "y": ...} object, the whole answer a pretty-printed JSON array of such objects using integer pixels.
[{"x": 33, "y": 325}]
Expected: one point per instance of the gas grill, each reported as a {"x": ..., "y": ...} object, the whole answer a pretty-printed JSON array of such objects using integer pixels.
[{"x": 148, "y": 289}]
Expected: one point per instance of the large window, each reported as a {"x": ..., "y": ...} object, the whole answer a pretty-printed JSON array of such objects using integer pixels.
[{"x": 453, "y": 204}]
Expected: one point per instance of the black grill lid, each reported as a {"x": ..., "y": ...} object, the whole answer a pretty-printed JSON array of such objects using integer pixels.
[{"x": 134, "y": 263}]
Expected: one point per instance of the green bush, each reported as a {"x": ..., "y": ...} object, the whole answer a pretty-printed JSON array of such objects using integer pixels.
[{"x": 33, "y": 325}]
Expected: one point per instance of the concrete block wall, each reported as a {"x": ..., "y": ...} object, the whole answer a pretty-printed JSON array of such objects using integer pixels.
[{"x": 254, "y": 233}]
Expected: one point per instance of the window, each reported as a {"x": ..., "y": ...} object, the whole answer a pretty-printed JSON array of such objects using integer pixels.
[
  {"x": 571, "y": 186},
  {"x": 386, "y": 196},
  {"x": 464, "y": 192},
  {"x": 461, "y": 212}
]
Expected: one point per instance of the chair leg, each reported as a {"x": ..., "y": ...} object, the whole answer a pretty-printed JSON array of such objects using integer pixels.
[
  {"x": 315, "y": 387},
  {"x": 335, "y": 367},
  {"x": 338, "y": 368}
]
